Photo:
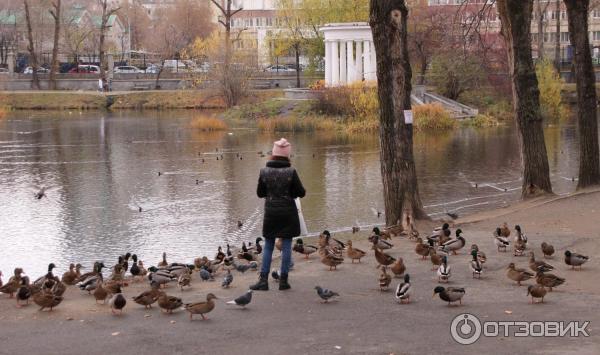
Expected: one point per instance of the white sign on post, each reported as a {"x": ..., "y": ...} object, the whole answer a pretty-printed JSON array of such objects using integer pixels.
[{"x": 408, "y": 117}]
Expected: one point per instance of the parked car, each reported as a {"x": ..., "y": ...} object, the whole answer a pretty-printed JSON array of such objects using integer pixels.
[
  {"x": 86, "y": 68},
  {"x": 152, "y": 69},
  {"x": 3, "y": 71},
  {"x": 29, "y": 70},
  {"x": 127, "y": 69},
  {"x": 174, "y": 65},
  {"x": 279, "y": 69}
]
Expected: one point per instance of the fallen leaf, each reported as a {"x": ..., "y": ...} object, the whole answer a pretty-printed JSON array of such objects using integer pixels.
[
  {"x": 508, "y": 311},
  {"x": 115, "y": 333},
  {"x": 173, "y": 322},
  {"x": 147, "y": 315},
  {"x": 337, "y": 347},
  {"x": 69, "y": 318}
]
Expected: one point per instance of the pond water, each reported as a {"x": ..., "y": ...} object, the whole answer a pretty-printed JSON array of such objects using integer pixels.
[{"x": 100, "y": 168}]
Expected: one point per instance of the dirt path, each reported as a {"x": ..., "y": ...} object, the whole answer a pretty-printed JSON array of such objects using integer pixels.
[{"x": 363, "y": 320}]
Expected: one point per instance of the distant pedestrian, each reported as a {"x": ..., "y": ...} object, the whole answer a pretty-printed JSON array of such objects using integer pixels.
[
  {"x": 100, "y": 85},
  {"x": 279, "y": 185}
]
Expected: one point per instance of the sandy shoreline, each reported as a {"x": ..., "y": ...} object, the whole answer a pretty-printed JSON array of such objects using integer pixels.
[{"x": 364, "y": 320}]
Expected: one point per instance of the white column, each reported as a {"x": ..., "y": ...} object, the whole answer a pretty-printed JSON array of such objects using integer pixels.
[
  {"x": 328, "y": 70},
  {"x": 359, "y": 61},
  {"x": 367, "y": 58},
  {"x": 350, "y": 61},
  {"x": 373, "y": 61},
  {"x": 343, "y": 64},
  {"x": 335, "y": 66}
]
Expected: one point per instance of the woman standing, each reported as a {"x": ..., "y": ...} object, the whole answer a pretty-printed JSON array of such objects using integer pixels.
[{"x": 279, "y": 185}]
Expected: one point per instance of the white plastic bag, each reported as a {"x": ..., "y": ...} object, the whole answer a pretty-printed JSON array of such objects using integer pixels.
[{"x": 303, "y": 229}]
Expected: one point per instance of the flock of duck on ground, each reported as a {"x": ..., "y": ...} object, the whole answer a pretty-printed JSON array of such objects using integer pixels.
[{"x": 47, "y": 291}]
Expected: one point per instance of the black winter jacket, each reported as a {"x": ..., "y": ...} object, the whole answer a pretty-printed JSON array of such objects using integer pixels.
[{"x": 279, "y": 184}]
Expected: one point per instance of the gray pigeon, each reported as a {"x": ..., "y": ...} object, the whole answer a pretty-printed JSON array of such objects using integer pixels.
[
  {"x": 253, "y": 265},
  {"x": 242, "y": 267},
  {"x": 205, "y": 275},
  {"x": 243, "y": 300},
  {"x": 227, "y": 280},
  {"x": 325, "y": 294}
]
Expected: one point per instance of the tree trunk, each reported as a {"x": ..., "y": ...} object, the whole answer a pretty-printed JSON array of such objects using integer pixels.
[
  {"x": 388, "y": 20},
  {"x": 540, "y": 28},
  {"x": 589, "y": 163},
  {"x": 35, "y": 84},
  {"x": 297, "y": 50},
  {"x": 515, "y": 16},
  {"x": 557, "y": 38},
  {"x": 103, "y": 21},
  {"x": 54, "y": 66}
]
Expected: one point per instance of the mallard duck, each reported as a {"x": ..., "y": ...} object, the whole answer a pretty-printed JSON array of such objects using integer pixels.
[
  {"x": 70, "y": 276},
  {"x": 100, "y": 293},
  {"x": 46, "y": 299},
  {"x": 518, "y": 275},
  {"x": 246, "y": 254},
  {"x": 117, "y": 302},
  {"x": 480, "y": 255},
  {"x": 306, "y": 250},
  {"x": 98, "y": 265},
  {"x": 504, "y": 230},
  {"x": 125, "y": 261},
  {"x": 24, "y": 291},
  {"x": 501, "y": 242},
  {"x": 547, "y": 249},
  {"x": 475, "y": 265},
  {"x": 326, "y": 239},
  {"x": 59, "y": 288},
  {"x": 519, "y": 246},
  {"x": 163, "y": 277},
  {"x": 422, "y": 249},
  {"x": 49, "y": 276},
  {"x": 548, "y": 280},
  {"x": 118, "y": 272},
  {"x": 185, "y": 279},
  {"x": 148, "y": 297},
  {"x": 385, "y": 279},
  {"x": 381, "y": 244},
  {"x": 201, "y": 308},
  {"x": 113, "y": 287},
  {"x": 164, "y": 262},
  {"x": 454, "y": 244},
  {"x": 436, "y": 260},
  {"x": 444, "y": 271},
  {"x": 398, "y": 267},
  {"x": 353, "y": 253},
  {"x": 450, "y": 294},
  {"x": 330, "y": 259},
  {"x": 13, "y": 284},
  {"x": 521, "y": 237},
  {"x": 403, "y": 290},
  {"x": 383, "y": 235},
  {"x": 574, "y": 259},
  {"x": 410, "y": 230},
  {"x": 439, "y": 232},
  {"x": 220, "y": 255},
  {"x": 135, "y": 267},
  {"x": 536, "y": 291},
  {"x": 382, "y": 258},
  {"x": 169, "y": 303},
  {"x": 538, "y": 265}
]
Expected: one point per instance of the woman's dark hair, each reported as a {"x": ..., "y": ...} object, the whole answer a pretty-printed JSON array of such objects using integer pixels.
[{"x": 277, "y": 157}]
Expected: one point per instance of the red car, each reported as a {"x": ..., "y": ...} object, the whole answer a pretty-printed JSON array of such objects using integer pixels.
[{"x": 86, "y": 69}]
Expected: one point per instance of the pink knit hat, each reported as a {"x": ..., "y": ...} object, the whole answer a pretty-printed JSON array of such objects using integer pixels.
[{"x": 282, "y": 148}]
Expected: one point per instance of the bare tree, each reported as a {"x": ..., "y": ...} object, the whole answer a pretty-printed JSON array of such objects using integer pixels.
[
  {"x": 107, "y": 12},
  {"x": 589, "y": 164},
  {"x": 55, "y": 13},
  {"x": 557, "y": 37},
  {"x": 515, "y": 16},
  {"x": 35, "y": 84},
  {"x": 388, "y": 20}
]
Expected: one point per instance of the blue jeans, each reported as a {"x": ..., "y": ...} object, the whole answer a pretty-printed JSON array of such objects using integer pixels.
[{"x": 286, "y": 255}]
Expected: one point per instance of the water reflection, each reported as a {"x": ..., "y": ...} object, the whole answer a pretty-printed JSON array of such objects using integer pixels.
[{"x": 105, "y": 166}]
